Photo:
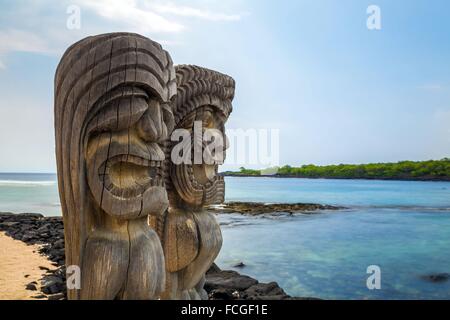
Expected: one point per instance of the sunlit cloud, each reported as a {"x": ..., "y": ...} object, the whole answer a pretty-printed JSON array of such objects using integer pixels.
[
  {"x": 13, "y": 40},
  {"x": 131, "y": 13},
  {"x": 196, "y": 13},
  {"x": 49, "y": 35},
  {"x": 21, "y": 41}
]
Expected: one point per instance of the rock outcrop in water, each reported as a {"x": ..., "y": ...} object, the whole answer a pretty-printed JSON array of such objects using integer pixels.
[
  {"x": 436, "y": 277},
  {"x": 33, "y": 228},
  {"x": 230, "y": 285},
  {"x": 257, "y": 208}
]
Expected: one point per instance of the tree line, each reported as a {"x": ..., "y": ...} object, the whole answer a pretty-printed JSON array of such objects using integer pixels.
[{"x": 403, "y": 170}]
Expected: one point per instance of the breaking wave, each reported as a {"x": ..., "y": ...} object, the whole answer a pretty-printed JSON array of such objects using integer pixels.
[{"x": 26, "y": 183}]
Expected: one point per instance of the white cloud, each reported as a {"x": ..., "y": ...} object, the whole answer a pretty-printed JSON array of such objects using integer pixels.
[
  {"x": 22, "y": 41},
  {"x": 196, "y": 13},
  {"x": 129, "y": 12},
  {"x": 48, "y": 34},
  {"x": 13, "y": 40}
]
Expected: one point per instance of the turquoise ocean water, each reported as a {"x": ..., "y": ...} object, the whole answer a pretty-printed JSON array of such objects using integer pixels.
[{"x": 401, "y": 226}]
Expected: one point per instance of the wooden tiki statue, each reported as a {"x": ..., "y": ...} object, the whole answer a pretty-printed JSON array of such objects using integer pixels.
[
  {"x": 191, "y": 236},
  {"x": 113, "y": 113}
]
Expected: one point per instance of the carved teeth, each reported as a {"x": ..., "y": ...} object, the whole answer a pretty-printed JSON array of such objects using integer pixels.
[{"x": 155, "y": 163}]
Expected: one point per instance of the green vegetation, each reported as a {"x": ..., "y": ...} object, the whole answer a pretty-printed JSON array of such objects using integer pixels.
[
  {"x": 404, "y": 170},
  {"x": 245, "y": 172}
]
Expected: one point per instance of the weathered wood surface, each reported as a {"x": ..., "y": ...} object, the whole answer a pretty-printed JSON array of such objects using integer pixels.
[
  {"x": 113, "y": 113},
  {"x": 190, "y": 236},
  {"x": 117, "y": 99}
]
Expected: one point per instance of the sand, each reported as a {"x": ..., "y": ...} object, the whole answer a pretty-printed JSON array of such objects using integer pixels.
[{"x": 19, "y": 265}]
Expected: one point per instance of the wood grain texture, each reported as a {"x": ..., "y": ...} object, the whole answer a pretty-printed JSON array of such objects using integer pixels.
[
  {"x": 113, "y": 114},
  {"x": 190, "y": 236}
]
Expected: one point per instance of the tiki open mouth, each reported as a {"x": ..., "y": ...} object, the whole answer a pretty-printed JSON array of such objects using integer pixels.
[{"x": 128, "y": 176}]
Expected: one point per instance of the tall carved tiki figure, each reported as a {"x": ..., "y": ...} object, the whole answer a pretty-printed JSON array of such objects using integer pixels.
[
  {"x": 113, "y": 113},
  {"x": 191, "y": 236}
]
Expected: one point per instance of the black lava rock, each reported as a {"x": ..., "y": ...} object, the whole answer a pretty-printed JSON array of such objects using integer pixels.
[
  {"x": 438, "y": 277},
  {"x": 31, "y": 286}
]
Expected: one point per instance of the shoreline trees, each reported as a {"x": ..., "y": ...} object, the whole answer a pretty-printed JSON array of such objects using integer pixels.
[{"x": 404, "y": 170}]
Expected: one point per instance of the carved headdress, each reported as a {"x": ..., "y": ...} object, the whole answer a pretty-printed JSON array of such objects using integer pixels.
[{"x": 106, "y": 83}]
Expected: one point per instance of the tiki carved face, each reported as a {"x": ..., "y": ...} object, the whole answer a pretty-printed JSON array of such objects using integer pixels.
[
  {"x": 197, "y": 183},
  {"x": 202, "y": 108},
  {"x": 125, "y": 153},
  {"x": 212, "y": 124}
]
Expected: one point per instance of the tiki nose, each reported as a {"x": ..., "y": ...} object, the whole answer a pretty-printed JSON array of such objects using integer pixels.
[{"x": 151, "y": 126}]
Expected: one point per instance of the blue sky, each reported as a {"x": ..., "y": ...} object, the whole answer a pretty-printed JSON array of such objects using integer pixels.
[{"x": 337, "y": 91}]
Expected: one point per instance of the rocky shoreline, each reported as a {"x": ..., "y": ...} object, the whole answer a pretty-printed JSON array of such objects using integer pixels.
[
  {"x": 48, "y": 232},
  {"x": 257, "y": 208}
]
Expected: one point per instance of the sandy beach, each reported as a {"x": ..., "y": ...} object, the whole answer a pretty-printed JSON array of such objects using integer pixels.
[{"x": 20, "y": 265}]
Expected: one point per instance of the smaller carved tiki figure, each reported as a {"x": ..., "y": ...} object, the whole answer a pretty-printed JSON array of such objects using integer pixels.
[
  {"x": 190, "y": 236},
  {"x": 112, "y": 115}
]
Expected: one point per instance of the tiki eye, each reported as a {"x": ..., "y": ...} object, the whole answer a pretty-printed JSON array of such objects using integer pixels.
[{"x": 119, "y": 114}]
